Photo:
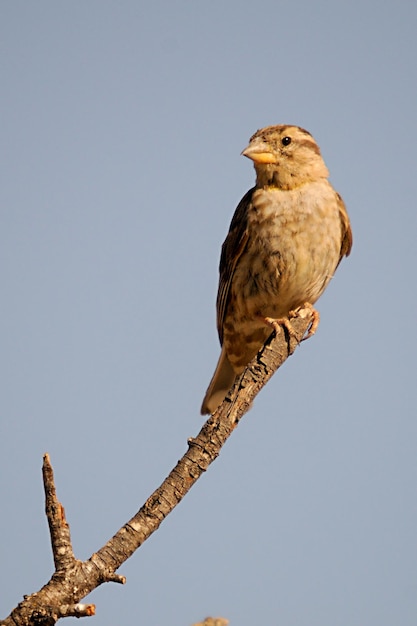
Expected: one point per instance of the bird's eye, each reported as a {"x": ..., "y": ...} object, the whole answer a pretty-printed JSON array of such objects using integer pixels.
[{"x": 286, "y": 141}]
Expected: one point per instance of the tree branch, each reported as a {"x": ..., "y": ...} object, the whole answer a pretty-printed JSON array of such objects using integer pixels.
[
  {"x": 58, "y": 525},
  {"x": 73, "y": 579}
]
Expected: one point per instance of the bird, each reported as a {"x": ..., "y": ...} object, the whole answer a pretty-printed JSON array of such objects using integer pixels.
[{"x": 287, "y": 237}]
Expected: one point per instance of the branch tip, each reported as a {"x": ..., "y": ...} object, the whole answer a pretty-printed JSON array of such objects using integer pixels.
[
  {"x": 58, "y": 526},
  {"x": 116, "y": 578},
  {"x": 76, "y": 610}
]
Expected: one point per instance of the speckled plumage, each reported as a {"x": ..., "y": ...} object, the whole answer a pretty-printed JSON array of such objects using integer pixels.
[{"x": 286, "y": 239}]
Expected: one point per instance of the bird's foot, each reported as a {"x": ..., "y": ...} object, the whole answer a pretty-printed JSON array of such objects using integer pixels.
[
  {"x": 307, "y": 306},
  {"x": 284, "y": 322},
  {"x": 280, "y": 324}
]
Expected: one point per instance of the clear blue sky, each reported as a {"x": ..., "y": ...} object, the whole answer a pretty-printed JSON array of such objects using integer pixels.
[{"x": 122, "y": 127}]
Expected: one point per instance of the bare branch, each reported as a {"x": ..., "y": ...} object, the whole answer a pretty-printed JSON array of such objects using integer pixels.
[
  {"x": 49, "y": 616},
  {"x": 73, "y": 579},
  {"x": 58, "y": 525},
  {"x": 204, "y": 449}
]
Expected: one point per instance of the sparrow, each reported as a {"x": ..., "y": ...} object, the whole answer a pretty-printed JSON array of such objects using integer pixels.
[{"x": 285, "y": 241}]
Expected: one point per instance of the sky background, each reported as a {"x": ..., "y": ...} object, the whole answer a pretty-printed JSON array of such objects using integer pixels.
[{"x": 122, "y": 127}]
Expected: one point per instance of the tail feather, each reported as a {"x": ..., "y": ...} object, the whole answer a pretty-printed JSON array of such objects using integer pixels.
[{"x": 223, "y": 379}]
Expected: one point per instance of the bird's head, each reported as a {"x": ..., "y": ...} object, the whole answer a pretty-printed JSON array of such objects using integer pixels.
[{"x": 285, "y": 157}]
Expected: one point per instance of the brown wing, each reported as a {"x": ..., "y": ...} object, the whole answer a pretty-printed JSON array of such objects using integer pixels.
[
  {"x": 346, "y": 245},
  {"x": 232, "y": 248}
]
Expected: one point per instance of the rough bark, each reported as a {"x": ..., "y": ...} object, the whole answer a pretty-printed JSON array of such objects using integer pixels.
[{"x": 73, "y": 580}]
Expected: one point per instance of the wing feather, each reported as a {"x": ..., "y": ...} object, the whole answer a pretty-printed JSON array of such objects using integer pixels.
[
  {"x": 232, "y": 249},
  {"x": 347, "y": 240}
]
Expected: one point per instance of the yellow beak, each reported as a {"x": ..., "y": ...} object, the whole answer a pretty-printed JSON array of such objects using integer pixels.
[{"x": 259, "y": 152}]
